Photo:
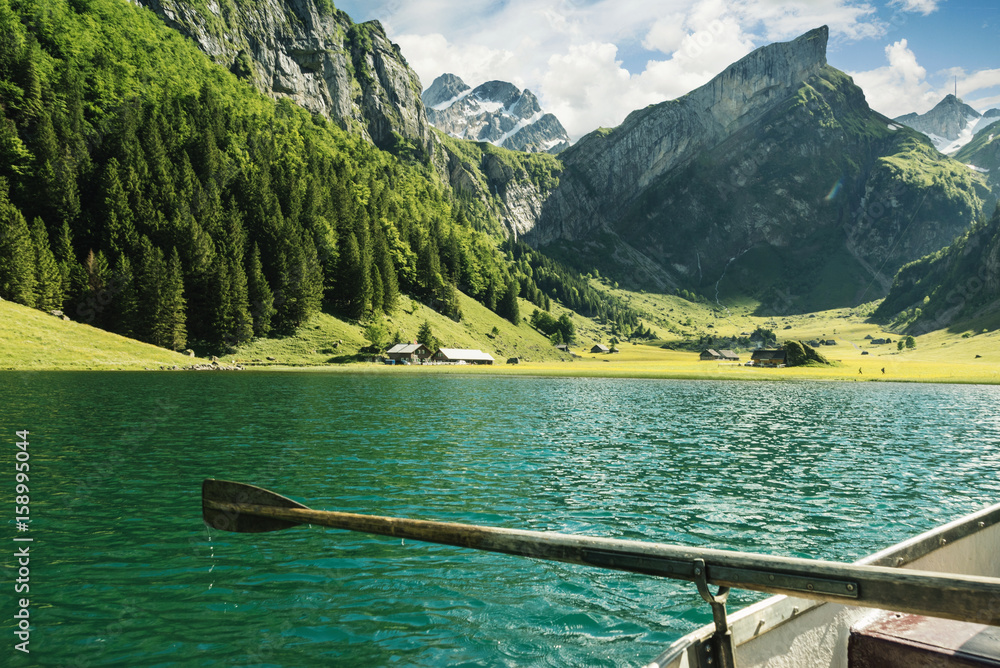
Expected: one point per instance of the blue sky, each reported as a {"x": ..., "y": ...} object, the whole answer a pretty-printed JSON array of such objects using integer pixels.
[{"x": 591, "y": 62}]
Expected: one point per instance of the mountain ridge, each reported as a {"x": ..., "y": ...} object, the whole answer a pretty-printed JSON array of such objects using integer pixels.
[
  {"x": 774, "y": 179},
  {"x": 951, "y": 124}
]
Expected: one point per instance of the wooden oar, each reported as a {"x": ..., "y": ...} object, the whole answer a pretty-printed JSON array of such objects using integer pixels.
[{"x": 231, "y": 506}]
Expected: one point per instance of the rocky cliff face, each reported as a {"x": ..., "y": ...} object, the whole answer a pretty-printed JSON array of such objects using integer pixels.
[
  {"x": 323, "y": 61},
  {"x": 951, "y": 124},
  {"x": 612, "y": 168},
  {"x": 497, "y": 112},
  {"x": 774, "y": 179},
  {"x": 318, "y": 58}
]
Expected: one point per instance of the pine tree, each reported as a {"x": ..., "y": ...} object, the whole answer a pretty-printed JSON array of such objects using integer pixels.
[
  {"x": 387, "y": 273},
  {"x": 259, "y": 294},
  {"x": 172, "y": 314},
  {"x": 491, "y": 299},
  {"x": 378, "y": 293},
  {"x": 151, "y": 278},
  {"x": 17, "y": 270},
  {"x": 366, "y": 289},
  {"x": 447, "y": 295},
  {"x": 90, "y": 282},
  {"x": 63, "y": 252},
  {"x": 219, "y": 305},
  {"x": 508, "y": 307},
  {"x": 242, "y": 322},
  {"x": 124, "y": 298},
  {"x": 300, "y": 281},
  {"x": 48, "y": 279},
  {"x": 429, "y": 268},
  {"x": 66, "y": 191},
  {"x": 350, "y": 281},
  {"x": 390, "y": 287},
  {"x": 15, "y": 158},
  {"x": 426, "y": 336},
  {"x": 12, "y": 43},
  {"x": 232, "y": 322},
  {"x": 119, "y": 234}
]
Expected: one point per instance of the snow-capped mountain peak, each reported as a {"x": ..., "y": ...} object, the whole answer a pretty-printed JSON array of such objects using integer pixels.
[
  {"x": 951, "y": 124},
  {"x": 496, "y": 111}
]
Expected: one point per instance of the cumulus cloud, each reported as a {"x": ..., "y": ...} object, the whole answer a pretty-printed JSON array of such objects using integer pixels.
[
  {"x": 475, "y": 63},
  {"x": 580, "y": 84},
  {"x": 899, "y": 87},
  {"x": 977, "y": 81}
]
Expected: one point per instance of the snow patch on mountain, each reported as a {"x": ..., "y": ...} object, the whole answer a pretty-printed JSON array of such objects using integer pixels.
[
  {"x": 951, "y": 124},
  {"x": 496, "y": 112},
  {"x": 965, "y": 135},
  {"x": 441, "y": 106}
]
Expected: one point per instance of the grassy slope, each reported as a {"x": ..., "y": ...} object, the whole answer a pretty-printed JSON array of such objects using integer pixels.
[
  {"x": 314, "y": 344},
  {"x": 939, "y": 356},
  {"x": 33, "y": 340}
]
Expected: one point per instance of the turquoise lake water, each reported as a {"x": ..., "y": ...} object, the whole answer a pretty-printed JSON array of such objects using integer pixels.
[{"x": 124, "y": 572}]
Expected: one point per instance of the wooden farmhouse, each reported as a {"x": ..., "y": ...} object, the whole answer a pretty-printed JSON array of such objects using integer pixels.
[
  {"x": 600, "y": 348},
  {"x": 769, "y": 358},
  {"x": 409, "y": 352},
  {"x": 719, "y": 356},
  {"x": 462, "y": 356}
]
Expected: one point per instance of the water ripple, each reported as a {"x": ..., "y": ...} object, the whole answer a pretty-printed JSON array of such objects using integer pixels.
[{"x": 132, "y": 577}]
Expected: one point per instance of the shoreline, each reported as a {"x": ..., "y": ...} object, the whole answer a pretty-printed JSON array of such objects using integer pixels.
[{"x": 912, "y": 371}]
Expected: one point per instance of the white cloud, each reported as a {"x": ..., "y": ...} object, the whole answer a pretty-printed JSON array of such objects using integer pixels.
[
  {"x": 904, "y": 86},
  {"x": 899, "y": 87},
  {"x": 666, "y": 34},
  {"x": 977, "y": 81},
  {"x": 924, "y": 7},
  {"x": 573, "y": 54},
  {"x": 784, "y": 20},
  {"x": 984, "y": 103},
  {"x": 432, "y": 56},
  {"x": 587, "y": 88}
]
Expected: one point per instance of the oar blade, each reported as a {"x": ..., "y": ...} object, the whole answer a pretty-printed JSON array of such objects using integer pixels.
[{"x": 225, "y": 491}]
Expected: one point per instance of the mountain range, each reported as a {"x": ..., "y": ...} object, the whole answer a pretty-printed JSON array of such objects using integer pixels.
[
  {"x": 707, "y": 192},
  {"x": 495, "y": 112},
  {"x": 775, "y": 181}
]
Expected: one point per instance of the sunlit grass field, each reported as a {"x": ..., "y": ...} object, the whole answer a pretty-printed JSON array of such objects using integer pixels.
[{"x": 32, "y": 340}]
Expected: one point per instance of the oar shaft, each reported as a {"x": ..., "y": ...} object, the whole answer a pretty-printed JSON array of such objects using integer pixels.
[{"x": 920, "y": 592}]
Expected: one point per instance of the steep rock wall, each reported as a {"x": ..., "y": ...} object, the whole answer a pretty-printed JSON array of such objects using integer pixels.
[
  {"x": 607, "y": 170},
  {"x": 323, "y": 61}
]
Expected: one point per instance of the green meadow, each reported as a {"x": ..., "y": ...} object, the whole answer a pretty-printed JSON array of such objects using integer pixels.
[{"x": 33, "y": 340}]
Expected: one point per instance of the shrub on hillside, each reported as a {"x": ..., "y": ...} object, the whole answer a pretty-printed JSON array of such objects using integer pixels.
[{"x": 798, "y": 353}]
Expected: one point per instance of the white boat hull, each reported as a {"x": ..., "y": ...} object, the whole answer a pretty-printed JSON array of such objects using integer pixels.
[{"x": 785, "y": 632}]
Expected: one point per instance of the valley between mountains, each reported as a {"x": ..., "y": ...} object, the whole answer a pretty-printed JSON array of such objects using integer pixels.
[{"x": 270, "y": 179}]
